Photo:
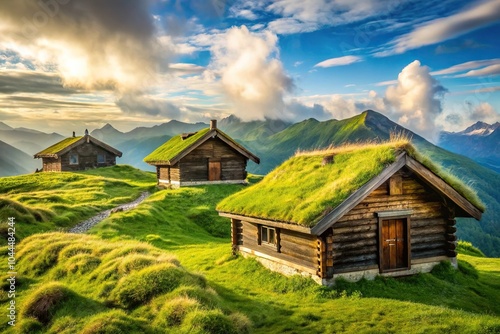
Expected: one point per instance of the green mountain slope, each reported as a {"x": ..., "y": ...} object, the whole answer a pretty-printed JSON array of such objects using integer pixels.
[{"x": 185, "y": 280}]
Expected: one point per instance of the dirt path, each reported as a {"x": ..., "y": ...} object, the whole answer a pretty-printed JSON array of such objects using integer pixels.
[{"x": 87, "y": 224}]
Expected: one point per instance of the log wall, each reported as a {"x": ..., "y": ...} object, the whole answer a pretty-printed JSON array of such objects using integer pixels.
[
  {"x": 87, "y": 158},
  {"x": 194, "y": 166},
  {"x": 294, "y": 247},
  {"x": 352, "y": 242},
  {"x": 51, "y": 164}
]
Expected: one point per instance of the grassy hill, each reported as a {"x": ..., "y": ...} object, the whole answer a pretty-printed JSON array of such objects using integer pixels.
[{"x": 167, "y": 266}]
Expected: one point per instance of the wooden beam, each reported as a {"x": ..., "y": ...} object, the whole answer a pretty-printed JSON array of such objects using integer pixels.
[
  {"x": 442, "y": 187},
  {"x": 271, "y": 223},
  {"x": 356, "y": 197}
]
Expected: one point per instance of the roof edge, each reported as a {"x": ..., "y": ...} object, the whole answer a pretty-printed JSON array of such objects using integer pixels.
[{"x": 273, "y": 223}]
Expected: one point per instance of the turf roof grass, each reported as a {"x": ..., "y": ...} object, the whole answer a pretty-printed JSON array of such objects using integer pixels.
[
  {"x": 57, "y": 147},
  {"x": 302, "y": 191},
  {"x": 173, "y": 147}
]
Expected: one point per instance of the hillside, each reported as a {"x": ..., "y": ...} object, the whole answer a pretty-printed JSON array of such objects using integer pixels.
[
  {"x": 167, "y": 265},
  {"x": 15, "y": 162}
]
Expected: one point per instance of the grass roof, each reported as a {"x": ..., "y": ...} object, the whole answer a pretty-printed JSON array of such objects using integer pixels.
[
  {"x": 173, "y": 147},
  {"x": 58, "y": 147},
  {"x": 303, "y": 190}
]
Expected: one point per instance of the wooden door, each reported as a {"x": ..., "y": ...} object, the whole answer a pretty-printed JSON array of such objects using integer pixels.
[
  {"x": 394, "y": 244},
  {"x": 214, "y": 172}
]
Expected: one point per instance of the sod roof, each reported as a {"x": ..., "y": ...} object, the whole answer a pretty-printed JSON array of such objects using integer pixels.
[
  {"x": 68, "y": 143},
  {"x": 174, "y": 148},
  {"x": 303, "y": 190},
  {"x": 58, "y": 147}
]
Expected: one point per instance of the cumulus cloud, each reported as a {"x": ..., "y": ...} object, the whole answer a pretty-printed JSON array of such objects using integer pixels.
[
  {"x": 250, "y": 73},
  {"x": 416, "y": 100},
  {"x": 442, "y": 29},
  {"x": 90, "y": 43},
  {"x": 340, "y": 61}
]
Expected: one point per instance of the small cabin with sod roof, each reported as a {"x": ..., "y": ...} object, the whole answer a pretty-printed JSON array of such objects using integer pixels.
[
  {"x": 353, "y": 211},
  {"x": 78, "y": 153},
  {"x": 208, "y": 156}
]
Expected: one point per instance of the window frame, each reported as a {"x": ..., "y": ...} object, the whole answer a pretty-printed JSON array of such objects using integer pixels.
[
  {"x": 103, "y": 155},
  {"x": 264, "y": 234},
  {"x": 76, "y": 160}
]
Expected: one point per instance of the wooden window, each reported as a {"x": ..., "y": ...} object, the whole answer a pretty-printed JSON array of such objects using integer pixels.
[
  {"x": 73, "y": 159},
  {"x": 101, "y": 158},
  {"x": 269, "y": 236}
]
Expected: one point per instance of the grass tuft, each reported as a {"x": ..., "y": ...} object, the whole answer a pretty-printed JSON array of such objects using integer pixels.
[{"x": 44, "y": 301}]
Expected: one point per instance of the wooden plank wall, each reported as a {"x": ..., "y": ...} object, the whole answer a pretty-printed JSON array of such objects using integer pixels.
[
  {"x": 194, "y": 166},
  {"x": 354, "y": 238},
  {"x": 295, "y": 247},
  {"x": 87, "y": 158},
  {"x": 163, "y": 172}
]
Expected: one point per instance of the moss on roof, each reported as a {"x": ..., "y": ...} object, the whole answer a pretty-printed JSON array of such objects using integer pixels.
[
  {"x": 173, "y": 147},
  {"x": 58, "y": 147},
  {"x": 302, "y": 190}
]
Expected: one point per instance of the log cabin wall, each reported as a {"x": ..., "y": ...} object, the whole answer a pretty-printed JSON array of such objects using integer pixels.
[
  {"x": 87, "y": 157},
  {"x": 296, "y": 250},
  {"x": 352, "y": 242},
  {"x": 194, "y": 166},
  {"x": 51, "y": 164}
]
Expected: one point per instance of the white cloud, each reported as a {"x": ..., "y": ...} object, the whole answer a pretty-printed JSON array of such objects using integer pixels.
[
  {"x": 489, "y": 70},
  {"x": 340, "y": 61},
  {"x": 251, "y": 75},
  {"x": 442, "y": 29},
  {"x": 484, "y": 112},
  {"x": 386, "y": 83},
  {"x": 416, "y": 100},
  {"x": 474, "y": 64}
]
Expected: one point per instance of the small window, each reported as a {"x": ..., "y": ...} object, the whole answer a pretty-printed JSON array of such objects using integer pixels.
[
  {"x": 101, "y": 158},
  {"x": 269, "y": 236},
  {"x": 73, "y": 159}
]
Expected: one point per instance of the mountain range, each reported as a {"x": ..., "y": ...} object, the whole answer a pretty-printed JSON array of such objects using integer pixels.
[
  {"x": 274, "y": 141},
  {"x": 480, "y": 141}
]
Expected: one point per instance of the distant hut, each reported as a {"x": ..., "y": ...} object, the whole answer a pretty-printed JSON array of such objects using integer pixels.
[
  {"x": 208, "y": 156},
  {"x": 352, "y": 212},
  {"x": 78, "y": 153}
]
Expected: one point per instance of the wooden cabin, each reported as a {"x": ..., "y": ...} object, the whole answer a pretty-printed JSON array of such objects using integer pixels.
[
  {"x": 77, "y": 153},
  {"x": 208, "y": 156},
  {"x": 352, "y": 213}
]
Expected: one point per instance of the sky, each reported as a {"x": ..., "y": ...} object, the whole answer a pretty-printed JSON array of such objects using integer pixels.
[{"x": 67, "y": 65}]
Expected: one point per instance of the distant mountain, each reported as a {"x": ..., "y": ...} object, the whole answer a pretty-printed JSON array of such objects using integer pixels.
[
  {"x": 479, "y": 142},
  {"x": 250, "y": 131},
  {"x": 109, "y": 134},
  {"x": 4, "y": 126},
  {"x": 171, "y": 128},
  {"x": 28, "y": 140},
  {"x": 15, "y": 162}
]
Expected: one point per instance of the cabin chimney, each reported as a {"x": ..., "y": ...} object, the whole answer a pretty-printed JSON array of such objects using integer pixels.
[
  {"x": 86, "y": 132},
  {"x": 74, "y": 134},
  {"x": 213, "y": 124}
]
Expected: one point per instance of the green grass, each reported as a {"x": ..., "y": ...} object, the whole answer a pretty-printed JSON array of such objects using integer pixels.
[
  {"x": 49, "y": 201},
  {"x": 102, "y": 282},
  {"x": 57, "y": 147},
  {"x": 173, "y": 147}
]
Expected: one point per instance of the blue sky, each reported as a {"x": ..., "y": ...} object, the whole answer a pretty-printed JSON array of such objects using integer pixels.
[{"x": 72, "y": 64}]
